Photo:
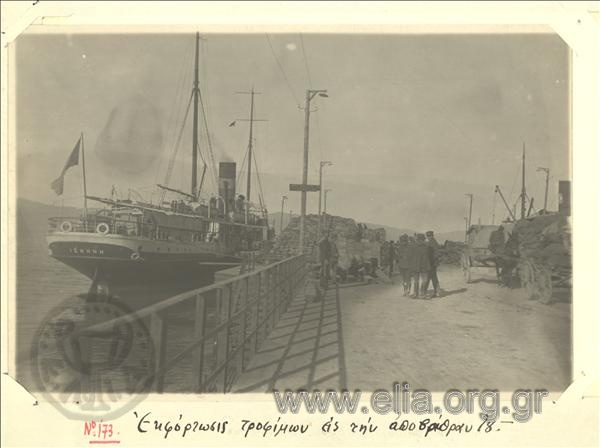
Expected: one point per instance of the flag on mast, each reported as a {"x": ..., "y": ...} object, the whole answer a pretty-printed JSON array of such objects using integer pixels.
[{"x": 73, "y": 160}]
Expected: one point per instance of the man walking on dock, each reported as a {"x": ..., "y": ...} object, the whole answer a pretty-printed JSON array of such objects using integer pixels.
[
  {"x": 421, "y": 266},
  {"x": 334, "y": 257},
  {"x": 434, "y": 258},
  {"x": 324, "y": 257},
  {"x": 403, "y": 260},
  {"x": 391, "y": 257}
]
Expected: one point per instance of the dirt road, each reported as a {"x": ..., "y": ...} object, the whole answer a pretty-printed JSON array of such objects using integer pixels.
[{"x": 476, "y": 336}]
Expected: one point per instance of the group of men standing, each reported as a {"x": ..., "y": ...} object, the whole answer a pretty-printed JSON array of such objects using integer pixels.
[{"x": 417, "y": 259}]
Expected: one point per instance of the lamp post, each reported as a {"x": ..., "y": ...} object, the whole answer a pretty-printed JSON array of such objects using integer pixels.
[
  {"x": 283, "y": 199},
  {"x": 321, "y": 165},
  {"x": 547, "y": 171},
  {"x": 310, "y": 94},
  {"x": 470, "y": 196},
  {"x": 325, "y": 205}
]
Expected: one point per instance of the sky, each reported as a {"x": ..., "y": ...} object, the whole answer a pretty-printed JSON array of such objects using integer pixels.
[{"x": 412, "y": 122}]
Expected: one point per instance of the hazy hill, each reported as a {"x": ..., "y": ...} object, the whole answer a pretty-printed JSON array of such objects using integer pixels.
[{"x": 390, "y": 231}]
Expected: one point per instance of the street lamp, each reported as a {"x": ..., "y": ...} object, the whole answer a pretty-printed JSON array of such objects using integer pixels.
[
  {"x": 470, "y": 196},
  {"x": 325, "y": 205},
  {"x": 321, "y": 165},
  {"x": 283, "y": 199},
  {"x": 310, "y": 94},
  {"x": 547, "y": 171}
]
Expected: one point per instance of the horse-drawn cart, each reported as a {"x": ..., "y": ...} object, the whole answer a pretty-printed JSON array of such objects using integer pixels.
[
  {"x": 538, "y": 249},
  {"x": 477, "y": 253},
  {"x": 545, "y": 265}
]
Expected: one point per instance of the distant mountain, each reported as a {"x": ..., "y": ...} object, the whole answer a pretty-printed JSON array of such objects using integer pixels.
[{"x": 46, "y": 209}]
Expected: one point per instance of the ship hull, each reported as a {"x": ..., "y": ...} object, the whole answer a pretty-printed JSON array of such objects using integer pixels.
[{"x": 131, "y": 267}]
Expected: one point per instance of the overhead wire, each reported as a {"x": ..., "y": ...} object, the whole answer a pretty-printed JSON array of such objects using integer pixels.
[
  {"x": 310, "y": 85},
  {"x": 176, "y": 147},
  {"x": 212, "y": 163},
  {"x": 261, "y": 197},
  {"x": 175, "y": 111},
  {"x": 282, "y": 71}
]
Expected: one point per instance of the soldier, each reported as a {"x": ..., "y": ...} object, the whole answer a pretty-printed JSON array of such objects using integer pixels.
[
  {"x": 421, "y": 266},
  {"x": 496, "y": 246},
  {"x": 510, "y": 259},
  {"x": 391, "y": 255},
  {"x": 402, "y": 261},
  {"x": 434, "y": 260},
  {"x": 410, "y": 261},
  {"x": 324, "y": 257},
  {"x": 334, "y": 257}
]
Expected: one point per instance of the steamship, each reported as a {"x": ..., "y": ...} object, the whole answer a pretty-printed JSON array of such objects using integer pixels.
[{"x": 169, "y": 247}]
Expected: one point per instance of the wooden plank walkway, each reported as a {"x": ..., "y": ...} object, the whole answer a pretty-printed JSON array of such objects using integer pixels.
[{"x": 303, "y": 352}]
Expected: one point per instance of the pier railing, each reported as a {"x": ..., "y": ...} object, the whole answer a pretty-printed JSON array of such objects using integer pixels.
[{"x": 205, "y": 338}]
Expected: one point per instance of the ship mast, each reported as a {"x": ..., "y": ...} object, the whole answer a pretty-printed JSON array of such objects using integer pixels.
[
  {"x": 249, "y": 155},
  {"x": 523, "y": 193},
  {"x": 248, "y": 182},
  {"x": 196, "y": 92}
]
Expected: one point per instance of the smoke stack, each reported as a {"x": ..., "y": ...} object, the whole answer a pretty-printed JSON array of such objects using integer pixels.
[
  {"x": 227, "y": 184},
  {"x": 564, "y": 197}
]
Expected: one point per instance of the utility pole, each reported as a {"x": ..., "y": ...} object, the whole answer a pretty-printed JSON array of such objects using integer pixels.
[
  {"x": 321, "y": 165},
  {"x": 283, "y": 198},
  {"x": 547, "y": 171},
  {"x": 523, "y": 193},
  {"x": 310, "y": 94},
  {"x": 325, "y": 205},
  {"x": 470, "y": 196},
  {"x": 325, "y": 200}
]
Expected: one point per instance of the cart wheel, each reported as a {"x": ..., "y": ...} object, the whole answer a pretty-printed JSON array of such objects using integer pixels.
[
  {"x": 466, "y": 267},
  {"x": 544, "y": 284},
  {"x": 527, "y": 277}
]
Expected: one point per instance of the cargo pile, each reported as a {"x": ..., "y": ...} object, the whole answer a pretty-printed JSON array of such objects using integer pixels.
[
  {"x": 451, "y": 252},
  {"x": 345, "y": 231},
  {"x": 545, "y": 239}
]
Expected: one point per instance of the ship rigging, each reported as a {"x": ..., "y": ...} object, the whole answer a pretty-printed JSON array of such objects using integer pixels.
[{"x": 135, "y": 244}]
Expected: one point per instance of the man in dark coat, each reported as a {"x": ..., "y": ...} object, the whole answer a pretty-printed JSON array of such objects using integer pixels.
[
  {"x": 334, "y": 255},
  {"x": 496, "y": 246},
  {"x": 391, "y": 256},
  {"x": 421, "y": 266},
  {"x": 413, "y": 280},
  {"x": 324, "y": 257},
  {"x": 434, "y": 260},
  {"x": 509, "y": 260},
  {"x": 402, "y": 261}
]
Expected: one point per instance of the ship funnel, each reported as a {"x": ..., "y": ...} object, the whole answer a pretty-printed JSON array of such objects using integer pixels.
[{"x": 227, "y": 185}]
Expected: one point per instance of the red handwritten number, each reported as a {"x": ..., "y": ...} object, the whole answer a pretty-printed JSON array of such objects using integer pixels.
[
  {"x": 104, "y": 430},
  {"x": 107, "y": 430}
]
